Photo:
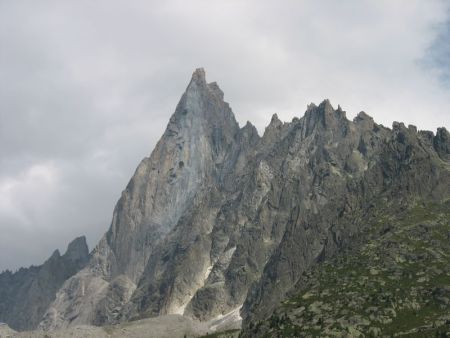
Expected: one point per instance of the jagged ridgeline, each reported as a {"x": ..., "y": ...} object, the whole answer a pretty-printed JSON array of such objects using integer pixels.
[
  {"x": 26, "y": 294},
  {"x": 222, "y": 225}
]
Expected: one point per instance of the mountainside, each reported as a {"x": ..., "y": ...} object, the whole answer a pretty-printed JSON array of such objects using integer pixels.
[
  {"x": 220, "y": 224},
  {"x": 398, "y": 167},
  {"x": 26, "y": 294},
  {"x": 188, "y": 161},
  {"x": 395, "y": 280},
  {"x": 218, "y": 218}
]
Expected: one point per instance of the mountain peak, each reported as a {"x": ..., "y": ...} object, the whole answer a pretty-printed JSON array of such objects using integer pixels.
[
  {"x": 323, "y": 115},
  {"x": 199, "y": 76},
  {"x": 275, "y": 119},
  {"x": 362, "y": 116},
  {"x": 364, "y": 121},
  {"x": 204, "y": 102},
  {"x": 77, "y": 249},
  {"x": 326, "y": 105},
  {"x": 214, "y": 87},
  {"x": 55, "y": 255},
  {"x": 442, "y": 143},
  {"x": 198, "y": 81}
]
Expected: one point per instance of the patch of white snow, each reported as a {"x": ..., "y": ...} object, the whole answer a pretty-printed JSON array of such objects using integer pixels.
[{"x": 231, "y": 319}]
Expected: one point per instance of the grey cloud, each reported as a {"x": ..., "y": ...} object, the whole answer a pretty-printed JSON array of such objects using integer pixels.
[
  {"x": 437, "y": 57},
  {"x": 86, "y": 89}
]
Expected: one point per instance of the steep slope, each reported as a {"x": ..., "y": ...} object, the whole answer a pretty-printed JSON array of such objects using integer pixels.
[
  {"x": 294, "y": 201},
  {"x": 186, "y": 162},
  {"x": 220, "y": 223},
  {"x": 398, "y": 166},
  {"x": 26, "y": 294},
  {"x": 398, "y": 282}
]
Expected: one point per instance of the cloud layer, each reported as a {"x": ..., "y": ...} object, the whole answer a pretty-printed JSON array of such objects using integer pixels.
[{"x": 87, "y": 88}]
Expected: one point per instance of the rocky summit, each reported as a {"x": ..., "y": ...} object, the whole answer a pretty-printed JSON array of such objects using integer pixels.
[{"x": 322, "y": 226}]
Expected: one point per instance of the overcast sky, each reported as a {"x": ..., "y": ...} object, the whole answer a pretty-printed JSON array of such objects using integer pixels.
[{"x": 88, "y": 86}]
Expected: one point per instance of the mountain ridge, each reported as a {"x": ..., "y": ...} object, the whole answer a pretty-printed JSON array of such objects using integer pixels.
[
  {"x": 219, "y": 220},
  {"x": 26, "y": 293}
]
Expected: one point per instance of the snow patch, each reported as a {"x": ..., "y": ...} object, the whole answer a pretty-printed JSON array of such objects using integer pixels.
[
  {"x": 179, "y": 310},
  {"x": 229, "y": 320},
  {"x": 207, "y": 272},
  {"x": 230, "y": 317}
]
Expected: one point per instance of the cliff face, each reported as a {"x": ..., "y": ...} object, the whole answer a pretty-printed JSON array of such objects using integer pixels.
[
  {"x": 191, "y": 158},
  {"x": 219, "y": 220},
  {"x": 26, "y": 294}
]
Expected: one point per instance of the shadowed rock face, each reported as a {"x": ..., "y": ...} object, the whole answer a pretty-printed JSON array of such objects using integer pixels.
[
  {"x": 26, "y": 294},
  {"x": 392, "y": 281},
  {"x": 219, "y": 218}
]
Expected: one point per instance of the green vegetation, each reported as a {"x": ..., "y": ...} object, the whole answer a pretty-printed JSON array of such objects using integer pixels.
[
  {"x": 223, "y": 334},
  {"x": 396, "y": 284}
]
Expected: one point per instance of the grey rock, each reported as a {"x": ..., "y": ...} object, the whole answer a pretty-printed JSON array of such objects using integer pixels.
[
  {"x": 442, "y": 143},
  {"x": 26, "y": 294},
  {"x": 219, "y": 219},
  {"x": 192, "y": 156}
]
